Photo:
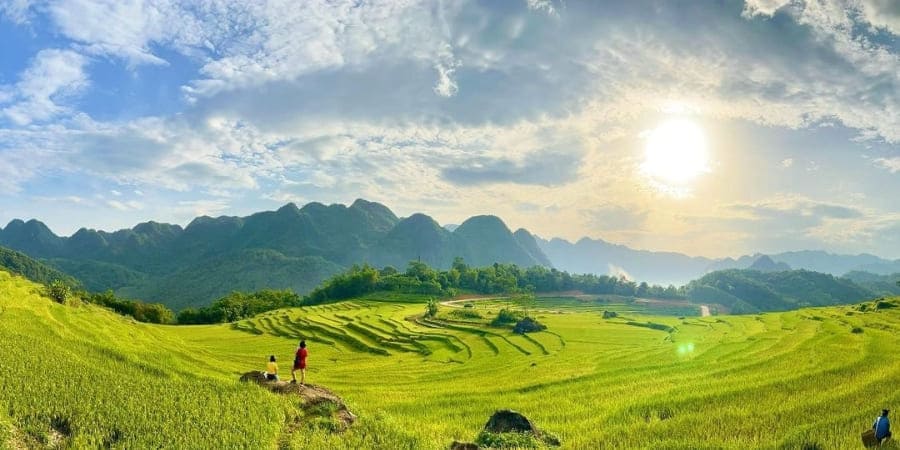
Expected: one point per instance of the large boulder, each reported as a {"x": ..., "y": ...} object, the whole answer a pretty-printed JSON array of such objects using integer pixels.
[
  {"x": 510, "y": 428},
  {"x": 506, "y": 420},
  {"x": 312, "y": 396}
]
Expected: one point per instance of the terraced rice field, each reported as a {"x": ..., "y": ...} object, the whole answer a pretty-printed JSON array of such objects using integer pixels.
[
  {"x": 581, "y": 303},
  {"x": 800, "y": 379}
]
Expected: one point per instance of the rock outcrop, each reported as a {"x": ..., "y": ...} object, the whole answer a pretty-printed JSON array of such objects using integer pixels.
[{"x": 313, "y": 397}]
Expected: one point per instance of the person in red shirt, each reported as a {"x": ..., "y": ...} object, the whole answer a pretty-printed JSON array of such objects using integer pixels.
[{"x": 300, "y": 363}]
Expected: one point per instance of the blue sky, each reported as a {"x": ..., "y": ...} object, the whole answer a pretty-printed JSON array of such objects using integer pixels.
[{"x": 538, "y": 111}]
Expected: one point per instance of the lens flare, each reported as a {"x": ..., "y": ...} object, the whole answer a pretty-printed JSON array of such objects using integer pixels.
[{"x": 685, "y": 348}]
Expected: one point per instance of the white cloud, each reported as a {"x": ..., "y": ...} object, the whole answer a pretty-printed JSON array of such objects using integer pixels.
[
  {"x": 15, "y": 10},
  {"x": 286, "y": 42},
  {"x": 51, "y": 76},
  {"x": 763, "y": 7},
  {"x": 446, "y": 85},
  {"x": 188, "y": 209},
  {"x": 149, "y": 152},
  {"x": 245, "y": 44},
  {"x": 124, "y": 206},
  {"x": 787, "y": 163},
  {"x": 128, "y": 28},
  {"x": 883, "y": 14},
  {"x": 891, "y": 164},
  {"x": 546, "y": 6}
]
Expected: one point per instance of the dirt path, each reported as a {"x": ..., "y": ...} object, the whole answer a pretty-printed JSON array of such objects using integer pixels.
[
  {"x": 457, "y": 303},
  {"x": 704, "y": 311}
]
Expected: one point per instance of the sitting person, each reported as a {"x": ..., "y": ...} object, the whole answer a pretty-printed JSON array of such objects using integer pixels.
[
  {"x": 882, "y": 426},
  {"x": 272, "y": 369}
]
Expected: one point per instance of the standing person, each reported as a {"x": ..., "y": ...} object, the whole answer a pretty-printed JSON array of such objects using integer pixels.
[
  {"x": 300, "y": 363},
  {"x": 272, "y": 369},
  {"x": 882, "y": 426}
]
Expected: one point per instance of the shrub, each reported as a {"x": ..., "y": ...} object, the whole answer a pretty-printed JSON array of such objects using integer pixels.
[
  {"x": 856, "y": 330},
  {"x": 142, "y": 312},
  {"x": 240, "y": 305},
  {"x": 58, "y": 291},
  {"x": 431, "y": 309},
  {"x": 505, "y": 317},
  {"x": 528, "y": 325}
]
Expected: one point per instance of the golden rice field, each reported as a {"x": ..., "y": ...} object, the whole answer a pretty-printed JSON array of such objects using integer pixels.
[{"x": 83, "y": 377}]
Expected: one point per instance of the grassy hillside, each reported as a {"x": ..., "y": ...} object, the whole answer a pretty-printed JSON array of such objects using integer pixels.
[
  {"x": 880, "y": 284},
  {"x": 20, "y": 264},
  {"x": 813, "y": 377},
  {"x": 87, "y": 378},
  {"x": 246, "y": 270},
  {"x": 97, "y": 276},
  {"x": 749, "y": 291}
]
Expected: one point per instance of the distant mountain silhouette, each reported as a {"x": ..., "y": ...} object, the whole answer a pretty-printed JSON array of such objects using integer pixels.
[
  {"x": 765, "y": 264},
  {"x": 601, "y": 257},
  {"x": 818, "y": 261},
  {"x": 291, "y": 247}
]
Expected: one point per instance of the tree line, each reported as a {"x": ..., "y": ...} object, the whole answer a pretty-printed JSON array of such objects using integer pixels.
[
  {"x": 742, "y": 291},
  {"x": 418, "y": 278},
  {"x": 495, "y": 279}
]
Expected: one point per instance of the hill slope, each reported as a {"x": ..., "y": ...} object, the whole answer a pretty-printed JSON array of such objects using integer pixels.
[
  {"x": 20, "y": 264},
  {"x": 246, "y": 270},
  {"x": 879, "y": 284},
  {"x": 801, "y": 379},
  {"x": 745, "y": 291}
]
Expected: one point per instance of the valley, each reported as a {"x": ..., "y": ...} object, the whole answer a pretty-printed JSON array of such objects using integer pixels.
[{"x": 779, "y": 379}]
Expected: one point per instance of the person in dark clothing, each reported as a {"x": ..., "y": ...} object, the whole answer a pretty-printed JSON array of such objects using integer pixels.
[{"x": 882, "y": 426}]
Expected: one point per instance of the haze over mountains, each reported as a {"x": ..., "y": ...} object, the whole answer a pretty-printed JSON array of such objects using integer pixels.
[
  {"x": 297, "y": 248},
  {"x": 598, "y": 256}
]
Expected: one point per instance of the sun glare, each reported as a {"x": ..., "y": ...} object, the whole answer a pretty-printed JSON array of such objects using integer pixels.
[{"x": 675, "y": 153}]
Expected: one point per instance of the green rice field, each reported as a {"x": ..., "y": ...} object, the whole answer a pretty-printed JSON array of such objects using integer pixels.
[{"x": 653, "y": 377}]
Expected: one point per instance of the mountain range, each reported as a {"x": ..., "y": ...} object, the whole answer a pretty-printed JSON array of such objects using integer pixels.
[
  {"x": 298, "y": 248},
  {"x": 292, "y": 247},
  {"x": 598, "y": 256}
]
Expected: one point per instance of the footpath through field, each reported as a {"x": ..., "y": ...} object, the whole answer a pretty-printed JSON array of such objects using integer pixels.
[{"x": 456, "y": 303}]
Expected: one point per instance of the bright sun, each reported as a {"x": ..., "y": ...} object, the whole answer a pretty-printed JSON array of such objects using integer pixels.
[{"x": 675, "y": 153}]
